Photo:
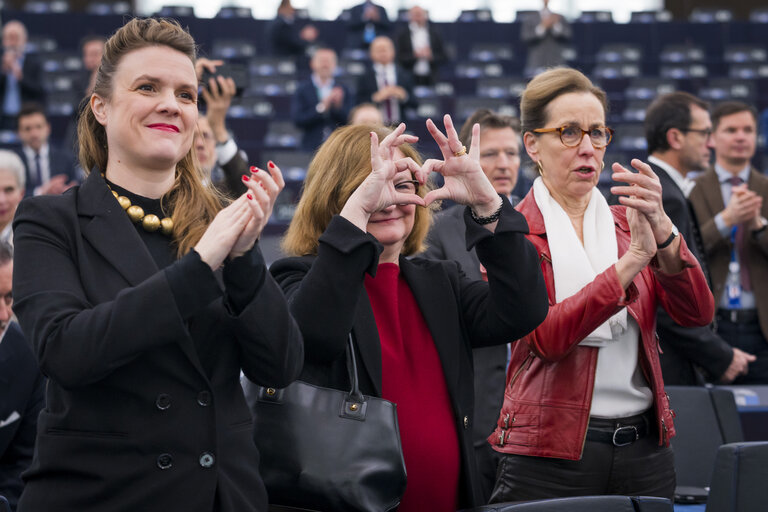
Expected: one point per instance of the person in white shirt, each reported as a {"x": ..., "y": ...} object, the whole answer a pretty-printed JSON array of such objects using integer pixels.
[
  {"x": 420, "y": 48},
  {"x": 11, "y": 192}
]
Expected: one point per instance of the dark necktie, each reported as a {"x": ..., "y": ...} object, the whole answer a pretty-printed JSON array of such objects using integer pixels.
[
  {"x": 388, "y": 101},
  {"x": 38, "y": 178},
  {"x": 698, "y": 243},
  {"x": 741, "y": 247}
]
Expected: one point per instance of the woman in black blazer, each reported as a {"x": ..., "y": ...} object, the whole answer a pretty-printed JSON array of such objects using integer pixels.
[
  {"x": 141, "y": 337},
  {"x": 414, "y": 321}
]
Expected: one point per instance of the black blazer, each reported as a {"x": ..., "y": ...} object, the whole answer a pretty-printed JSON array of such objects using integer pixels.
[
  {"x": 405, "y": 55},
  {"x": 304, "y": 113},
  {"x": 140, "y": 415},
  {"x": 285, "y": 39},
  {"x": 59, "y": 162},
  {"x": 328, "y": 299},
  {"x": 685, "y": 349},
  {"x": 367, "y": 86},
  {"x": 21, "y": 399}
]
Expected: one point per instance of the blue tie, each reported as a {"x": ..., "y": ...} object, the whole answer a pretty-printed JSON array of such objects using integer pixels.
[{"x": 38, "y": 178}]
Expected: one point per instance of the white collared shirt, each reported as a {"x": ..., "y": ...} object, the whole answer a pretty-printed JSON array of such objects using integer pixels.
[{"x": 685, "y": 184}]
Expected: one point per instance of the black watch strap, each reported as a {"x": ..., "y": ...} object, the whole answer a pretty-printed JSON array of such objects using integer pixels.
[{"x": 669, "y": 240}]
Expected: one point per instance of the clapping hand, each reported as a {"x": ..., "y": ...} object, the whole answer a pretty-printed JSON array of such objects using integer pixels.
[{"x": 236, "y": 228}]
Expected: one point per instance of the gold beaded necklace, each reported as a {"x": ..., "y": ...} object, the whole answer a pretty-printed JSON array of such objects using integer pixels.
[{"x": 150, "y": 222}]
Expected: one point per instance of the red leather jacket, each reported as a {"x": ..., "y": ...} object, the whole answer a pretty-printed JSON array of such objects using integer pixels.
[{"x": 551, "y": 378}]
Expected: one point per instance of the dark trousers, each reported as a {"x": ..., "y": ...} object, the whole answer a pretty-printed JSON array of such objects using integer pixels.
[
  {"x": 748, "y": 337},
  {"x": 487, "y": 464},
  {"x": 640, "y": 469}
]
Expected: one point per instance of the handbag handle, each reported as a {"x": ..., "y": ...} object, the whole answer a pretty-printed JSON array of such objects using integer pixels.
[{"x": 354, "y": 392}]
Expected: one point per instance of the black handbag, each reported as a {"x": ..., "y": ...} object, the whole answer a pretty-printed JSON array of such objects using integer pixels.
[{"x": 326, "y": 449}]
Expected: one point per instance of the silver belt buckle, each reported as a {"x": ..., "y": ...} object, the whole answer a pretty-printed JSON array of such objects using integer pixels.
[
  {"x": 734, "y": 316},
  {"x": 637, "y": 435}
]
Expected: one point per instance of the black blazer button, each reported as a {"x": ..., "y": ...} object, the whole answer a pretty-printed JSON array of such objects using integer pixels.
[
  {"x": 207, "y": 460},
  {"x": 163, "y": 401},
  {"x": 164, "y": 461},
  {"x": 204, "y": 398}
]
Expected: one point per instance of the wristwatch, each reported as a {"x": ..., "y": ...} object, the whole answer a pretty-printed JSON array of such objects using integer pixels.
[{"x": 669, "y": 240}]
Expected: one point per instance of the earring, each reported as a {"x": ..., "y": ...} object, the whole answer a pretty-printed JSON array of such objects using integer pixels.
[
  {"x": 602, "y": 165},
  {"x": 540, "y": 167}
]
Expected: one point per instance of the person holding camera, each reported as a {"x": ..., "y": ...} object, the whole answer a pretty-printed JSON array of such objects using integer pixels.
[{"x": 223, "y": 162}]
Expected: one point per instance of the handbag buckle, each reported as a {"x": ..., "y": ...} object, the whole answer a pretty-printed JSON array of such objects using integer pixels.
[{"x": 353, "y": 409}]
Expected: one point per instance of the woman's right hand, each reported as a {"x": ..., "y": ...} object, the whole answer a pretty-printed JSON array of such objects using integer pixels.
[
  {"x": 377, "y": 191},
  {"x": 642, "y": 247}
]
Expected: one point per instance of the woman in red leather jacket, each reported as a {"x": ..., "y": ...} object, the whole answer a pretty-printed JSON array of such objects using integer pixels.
[{"x": 585, "y": 411}]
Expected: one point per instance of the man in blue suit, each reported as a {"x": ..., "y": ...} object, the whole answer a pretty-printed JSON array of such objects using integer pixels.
[
  {"x": 320, "y": 104},
  {"x": 21, "y": 391}
]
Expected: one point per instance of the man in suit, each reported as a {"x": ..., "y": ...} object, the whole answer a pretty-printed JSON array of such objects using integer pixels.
[
  {"x": 385, "y": 83},
  {"x": 420, "y": 48},
  {"x": 20, "y": 80},
  {"x": 366, "y": 22},
  {"x": 544, "y": 33},
  {"x": 677, "y": 129},
  {"x": 49, "y": 170},
  {"x": 729, "y": 201},
  {"x": 320, "y": 104},
  {"x": 287, "y": 38},
  {"x": 21, "y": 391},
  {"x": 500, "y": 160}
]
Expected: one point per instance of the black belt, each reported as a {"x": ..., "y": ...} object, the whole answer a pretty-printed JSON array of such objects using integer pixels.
[
  {"x": 622, "y": 435},
  {"x": 737, "y": 316}
]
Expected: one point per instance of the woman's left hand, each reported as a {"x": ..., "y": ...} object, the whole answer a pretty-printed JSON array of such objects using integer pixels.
[
  {"x": 465, "y": 181},
  {"x": 263, "y": 189},
  {"x": 643, "y": 193}
]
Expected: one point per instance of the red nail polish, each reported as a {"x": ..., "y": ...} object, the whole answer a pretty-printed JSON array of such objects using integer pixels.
[
  {"x": 246, "y": 178},
  {"x": 249, "y": 196},
  {"x": 254, "y": 169},
  {"x": 271, "y": 165}
]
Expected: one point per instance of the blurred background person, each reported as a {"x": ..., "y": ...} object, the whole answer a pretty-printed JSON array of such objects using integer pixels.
[
  {"x": 320, "y": 103},
  {"x": 366, "y": 22},
  {"x": 545, "y": 33},
  {"x": 22, "y": 387},
  {"x": 678, "y": 130},
  {"x": 12, "y": 178},
  {"x": 500, "y": 161},
  {"x": 50, "y": 170},
  {"x": 385, "y": 83},
  {"x": 365, "y": 113},
  {"x": 92, "y": 48},
  {"x": 585, "y": 412},
  {"x": 288, "y": 39},
  {"x": 730, "y": 202},
  {"x": 420, "y": 48},
  {"x": 20, "y": 81},
  {"x": 414, "y": 321}
]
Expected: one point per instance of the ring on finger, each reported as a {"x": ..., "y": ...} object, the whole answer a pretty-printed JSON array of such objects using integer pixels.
[{"x": 461, "y": 152}]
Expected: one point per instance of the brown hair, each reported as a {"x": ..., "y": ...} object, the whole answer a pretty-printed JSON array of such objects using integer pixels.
[
  {"x": 340, "y": 165},
  {"x": 549, "y": 85},
  {"x": 487, "y": 118},
  {"x": 668, "y": 111},
  {"x": 728, "y": 108},
  {"x": 193, "y": 204}
]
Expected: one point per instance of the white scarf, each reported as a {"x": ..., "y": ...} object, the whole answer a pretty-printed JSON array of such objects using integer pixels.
[{"x": 575, "y": 265}]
